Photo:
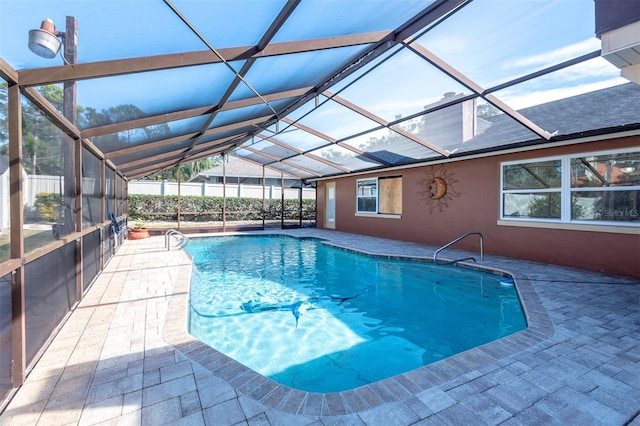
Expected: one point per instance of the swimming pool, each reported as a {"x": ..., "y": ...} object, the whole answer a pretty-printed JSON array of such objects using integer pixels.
[{"x": 322, "y": 319}]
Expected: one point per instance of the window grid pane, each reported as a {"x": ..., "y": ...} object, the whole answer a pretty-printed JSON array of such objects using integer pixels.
[
  {"x": 533, "y": 175},
  {"x": 367, "y": 195},
  {"x": 541, "y": 205},
  {"x": 606, "y": 170},
  {"x": 609, "y": 206}
]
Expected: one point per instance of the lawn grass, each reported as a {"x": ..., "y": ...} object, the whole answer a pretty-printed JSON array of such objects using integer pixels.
[{"x": 33, "y": 239}]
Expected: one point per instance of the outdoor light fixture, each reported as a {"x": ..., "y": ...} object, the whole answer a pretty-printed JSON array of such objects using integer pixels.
[{"x": 44, "y": 42}]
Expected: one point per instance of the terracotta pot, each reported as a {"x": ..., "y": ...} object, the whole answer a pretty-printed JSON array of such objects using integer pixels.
[{"x": 138, "y": 233}]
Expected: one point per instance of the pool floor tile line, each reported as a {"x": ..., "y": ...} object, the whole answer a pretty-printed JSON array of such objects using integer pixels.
[{"x": 124, "y": 357}]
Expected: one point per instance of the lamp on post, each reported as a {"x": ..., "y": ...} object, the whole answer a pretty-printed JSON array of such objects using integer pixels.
[{"x": 46, "y": 42}]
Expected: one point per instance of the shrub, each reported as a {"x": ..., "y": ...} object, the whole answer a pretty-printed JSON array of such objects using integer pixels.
[
  {"x": 47, "y": 205},
  {"x": 197, "y": 208}
]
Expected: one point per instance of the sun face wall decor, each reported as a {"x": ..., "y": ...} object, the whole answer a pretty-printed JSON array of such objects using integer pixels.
[{"x": 436, "y": 188}]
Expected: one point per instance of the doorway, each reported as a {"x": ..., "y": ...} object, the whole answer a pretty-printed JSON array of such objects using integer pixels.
[{"x": 330, "y": 206}]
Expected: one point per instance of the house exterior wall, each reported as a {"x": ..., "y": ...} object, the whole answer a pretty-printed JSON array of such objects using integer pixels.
[{"x": 472, "y": 204}]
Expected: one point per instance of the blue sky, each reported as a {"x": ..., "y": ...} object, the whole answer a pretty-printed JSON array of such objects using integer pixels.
[{"x": 489, "y": 41}]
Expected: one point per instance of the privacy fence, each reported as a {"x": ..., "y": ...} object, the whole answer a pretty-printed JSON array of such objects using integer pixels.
[
  {"x": 156, "y": 202},
  {"x": 171, "y": 211},
  {"x": 217, "y": 190},
  {"x": 164, "y": 204}
]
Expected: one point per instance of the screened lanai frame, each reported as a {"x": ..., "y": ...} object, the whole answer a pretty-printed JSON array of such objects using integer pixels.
[
  {"x": 313, "y": 89},
  {"x": 288, "y": 74}
]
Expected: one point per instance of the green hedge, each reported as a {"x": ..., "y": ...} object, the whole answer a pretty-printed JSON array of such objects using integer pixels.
[
  {"x": 196, "y": 208},
  {"x": 47, "y": 205}
]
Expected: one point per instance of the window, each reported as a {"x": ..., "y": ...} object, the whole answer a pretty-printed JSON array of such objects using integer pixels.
[
  {"x": 532, "y": 190},
  {"x": 367, "y": 196},
  {"x": 606, "y": 187},
  {"x": 379, "y": 195},
  {"x": 601, "y": 188}
]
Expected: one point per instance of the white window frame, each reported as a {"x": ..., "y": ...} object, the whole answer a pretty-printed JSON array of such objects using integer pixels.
[
  {"x": 359, "y": 196},
  {"x": 530, "y": 191},
  {"x": 566, "y": 191}
]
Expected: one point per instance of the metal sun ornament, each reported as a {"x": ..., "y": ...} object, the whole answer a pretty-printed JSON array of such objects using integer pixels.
[{"x": 436, "y": 188}]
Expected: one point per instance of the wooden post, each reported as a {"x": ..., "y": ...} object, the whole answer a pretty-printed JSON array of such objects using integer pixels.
[
  {"x": 263, "y": 196},
  {"x": 70, "y": 55},
  {"x": 224, "y": 193},
  {"x": 300, "y": 205},
  {"x": 179, "y": 174},
  {"x": 103, "y": 200},
  {"x": 72, "y": 152},
  {"x": 78, "y": 221},
  {"x": 18, "y": 338},
  {"x": 69, "y": 112}
]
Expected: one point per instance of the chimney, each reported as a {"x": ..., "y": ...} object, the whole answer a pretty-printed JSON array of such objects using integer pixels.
[{"x": 450, "y": 125}]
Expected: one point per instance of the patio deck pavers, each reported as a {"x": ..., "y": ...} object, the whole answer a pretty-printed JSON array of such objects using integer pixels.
[{"x": 124, "y": 357}]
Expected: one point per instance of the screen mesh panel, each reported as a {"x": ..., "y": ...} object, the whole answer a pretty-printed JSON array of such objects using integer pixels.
[
  {"x": 107, "y": 244},
  {"x": 6, "y": 343},
  {"x": 91, "y": 192},
  {"x": 109, "y": 191},
  {"x": 90, "y": 258},
  {"x": 49, "y": 294}
]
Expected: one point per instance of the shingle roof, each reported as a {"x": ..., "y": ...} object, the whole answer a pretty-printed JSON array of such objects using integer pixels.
[
  {"x": 240, "y": 168},
  {"x": 600, "y": 111}
]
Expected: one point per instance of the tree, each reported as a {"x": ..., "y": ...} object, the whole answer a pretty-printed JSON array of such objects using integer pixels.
[
  {"x": 545, "y": 205},
  {"x": 187, "y": 171},
  {"x": 194, "y": 168},
  {"x": 91, "y": 117},
  {"x": 54, "y": 94},
  {"x": 487, "y": 110},
  {"x": 41, "y": 140},
  {"x": 335, "y": 156}
]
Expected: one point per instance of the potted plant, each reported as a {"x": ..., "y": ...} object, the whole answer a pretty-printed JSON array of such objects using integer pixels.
[{"x": 138, "y": 231}]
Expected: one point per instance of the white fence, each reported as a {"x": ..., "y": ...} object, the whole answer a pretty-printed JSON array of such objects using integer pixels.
[
  {"x": 37, "y": 184},
  {"x": 216, "y": 190}
]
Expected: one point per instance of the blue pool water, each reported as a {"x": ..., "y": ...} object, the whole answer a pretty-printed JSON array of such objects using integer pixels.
[{"x": 322, "y": 319}]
